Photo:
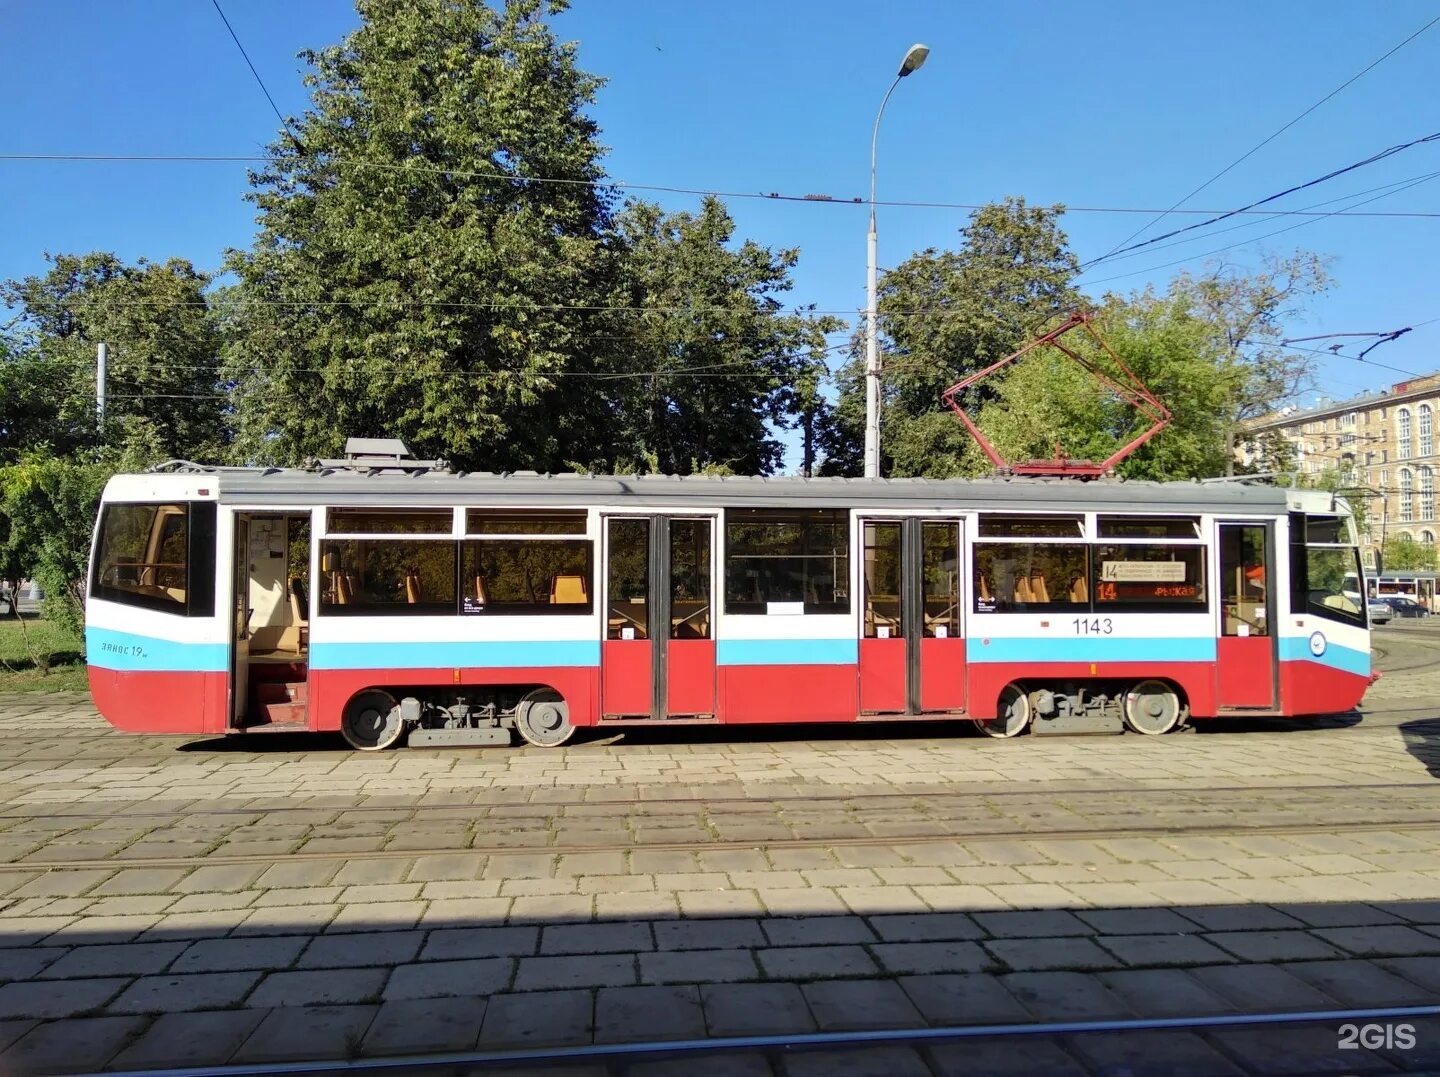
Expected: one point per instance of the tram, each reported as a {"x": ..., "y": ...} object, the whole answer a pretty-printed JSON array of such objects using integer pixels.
[{"x": 386, "y": 598}]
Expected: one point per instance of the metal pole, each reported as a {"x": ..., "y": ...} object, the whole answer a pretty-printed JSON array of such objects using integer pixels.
[
  {"x": 102, "y": 356},
  {"x": 872, "y": 339}
]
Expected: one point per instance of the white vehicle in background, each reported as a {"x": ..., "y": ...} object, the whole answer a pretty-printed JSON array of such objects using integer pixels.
[{"x": 1380, "y": 612}]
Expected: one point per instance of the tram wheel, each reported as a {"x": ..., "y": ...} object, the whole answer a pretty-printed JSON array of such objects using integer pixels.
[
  {"x": 543, "y": 719},
  {"x": 1152, "y": 708},
  {"x": 371, "y": 722},
  {"x": 1013, "y": 716}
]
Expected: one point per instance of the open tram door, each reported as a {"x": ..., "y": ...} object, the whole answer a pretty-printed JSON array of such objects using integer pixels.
[
  {"x": 658, "y": 655},
  {"x": 912, "y": 653},
  {"x": 1246, "y": 652},
  {"x": 270, "y": 619}
]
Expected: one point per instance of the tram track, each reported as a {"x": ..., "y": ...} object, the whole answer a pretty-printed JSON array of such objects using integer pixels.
[
  {"x": 1428, "y": 823},
  {"x": 1051, "y": 792}
]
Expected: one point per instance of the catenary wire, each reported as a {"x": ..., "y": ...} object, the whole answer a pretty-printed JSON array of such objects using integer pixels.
[
  {"x": 248, "y": 63},
  {"x": 774, "y": 196},
  {"x": 1250, "y": 239},
  {"x": 1389, "y": 151},
  {"x": 1273, "y": 136}
]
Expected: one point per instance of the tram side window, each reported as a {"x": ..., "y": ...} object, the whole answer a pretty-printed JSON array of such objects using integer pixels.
[
  {"x": 143, "y": 557},
  {"x": 1322, "y": 578},
  {"x": 1015, "y": 577},
  {"x": 527, "y": 576},
  {"x": 787, "y": 560},
  {"x": 370, "y": 577},
  {"x": 1149, "y": 577}
]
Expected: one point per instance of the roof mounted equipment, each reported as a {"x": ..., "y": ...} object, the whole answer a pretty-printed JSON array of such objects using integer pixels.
[{"x": 1122, "y": 383}]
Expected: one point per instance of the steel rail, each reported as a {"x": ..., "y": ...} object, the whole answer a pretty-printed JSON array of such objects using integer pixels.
[
  {"x": 1049, "y": 794},
  {"x": 775, "y": 1043},
  {"x": 1089, "y": 834}
]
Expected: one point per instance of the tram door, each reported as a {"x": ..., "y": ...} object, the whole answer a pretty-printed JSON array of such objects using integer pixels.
[
  {"x": 658, "y": 655},
  {"x": 1245, "y": 653},
  {"x": 912, "y": 654}
]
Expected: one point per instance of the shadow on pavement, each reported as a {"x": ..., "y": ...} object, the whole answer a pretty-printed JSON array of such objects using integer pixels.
[
  {"x": 304, "y": 977},
  {"x": 1422, "y": 740}
]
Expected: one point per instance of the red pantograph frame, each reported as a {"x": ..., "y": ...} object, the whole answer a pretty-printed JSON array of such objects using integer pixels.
[{"x": 1126, "y": 386}]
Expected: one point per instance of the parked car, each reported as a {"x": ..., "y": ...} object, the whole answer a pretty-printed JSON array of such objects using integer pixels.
[
  {"x": 1380, "y": 611},
  {"x": 1406, "y": 607}
]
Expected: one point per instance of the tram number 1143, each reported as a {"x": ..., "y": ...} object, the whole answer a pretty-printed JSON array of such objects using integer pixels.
[{"x": 1093, "y": 626}]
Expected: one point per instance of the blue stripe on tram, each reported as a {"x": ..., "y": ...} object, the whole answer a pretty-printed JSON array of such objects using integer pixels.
[
  {"x": 787, "y": 652},
  {"x": 128, "y": 652},
  {"x": 1090, "y": 649}
]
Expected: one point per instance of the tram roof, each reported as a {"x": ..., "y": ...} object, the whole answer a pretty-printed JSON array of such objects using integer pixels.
[{"x": 346, "y": 486}]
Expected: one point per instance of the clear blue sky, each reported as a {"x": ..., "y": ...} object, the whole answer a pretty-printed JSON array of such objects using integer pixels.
[{"x": 1123, "y": 104}]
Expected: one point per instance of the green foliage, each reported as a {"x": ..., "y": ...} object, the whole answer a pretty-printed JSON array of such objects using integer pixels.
[
  {"x": 1402, "y": 553},
  {"x": 945, "y": 314},
  {"x": 408, "y": 280},
  {"x": 161, "y": 385},
  {"x": 49, "y": 505},
  {"x": 722, "y": 361},
  {"x": 1209, "y": 349}
]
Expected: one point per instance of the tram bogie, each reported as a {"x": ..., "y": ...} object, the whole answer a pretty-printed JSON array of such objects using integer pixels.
[{"x": 472, "y": 610}]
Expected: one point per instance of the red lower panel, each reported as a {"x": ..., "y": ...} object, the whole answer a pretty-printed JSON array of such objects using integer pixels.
[
  {"x": 1315, "y": 688},
  {"x": 331, "y": 689},
  {"x": 1246, "y": 671},
  {"x": 788, "y": 693},
  {"x": 626, "y": 681},
  {"x": 942, "y": 674},
  {"x": 987, "y": 679},
  {"x": 690, "y": 676},
  {"x": 160, "y": 702},
  {"x": 882, "y": 676}
]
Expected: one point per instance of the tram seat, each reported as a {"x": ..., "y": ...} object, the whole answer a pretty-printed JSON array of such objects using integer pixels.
[
  {"x": 567, "y": 590},
  {"x": 343, "y": 588},
  {"x": 985, "y": 595},
  {"x": 297, "y": 635},
  {"x": 414, "y": 595},
  {"x": 1079, "y": 590},
  {"x": 1039, "y": 589},
  {"x": 482, "y": 593}
]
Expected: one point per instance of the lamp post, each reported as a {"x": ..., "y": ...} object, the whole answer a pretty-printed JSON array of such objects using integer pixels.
[{"x": 914, "y": 58}]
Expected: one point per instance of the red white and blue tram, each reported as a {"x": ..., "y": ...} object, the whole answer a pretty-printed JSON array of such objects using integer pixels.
[{"x": 404, "y": 600}]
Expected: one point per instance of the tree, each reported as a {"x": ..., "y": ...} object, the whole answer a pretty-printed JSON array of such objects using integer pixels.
[
  {"x": 431, "y": 262},
  {"x": 50, "y": 504},
  {"x": 945, "y": 314},
  {"x": 1402, "y": 553},
  {"x": 162, "y": 393},
  {"x": 1045, "y": 398},
  {"x": 1248, "y": 314},
  {"x": 724, "y": 363}
]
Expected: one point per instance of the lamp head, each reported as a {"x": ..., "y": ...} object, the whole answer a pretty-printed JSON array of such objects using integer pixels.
[{"x": 914, "y": 59}]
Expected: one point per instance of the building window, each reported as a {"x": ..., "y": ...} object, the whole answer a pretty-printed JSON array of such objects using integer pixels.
[
  {"x": 1426, "y": 440},
  {"x": 1427, "y": 538},
  {"x": 1407, "y": 495},
  {"x": 1402, "y": 434},
  {"x": 1347, "y": 421},
  {"x": 779, "y": 559},
  {"x": 1427, "y": 494}
]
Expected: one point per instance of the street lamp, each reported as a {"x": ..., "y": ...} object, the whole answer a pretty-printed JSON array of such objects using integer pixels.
[{"x": 914, "y": 58}]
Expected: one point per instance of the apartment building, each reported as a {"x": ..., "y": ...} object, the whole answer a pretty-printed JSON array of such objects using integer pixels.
[{"x": 1382, "y": 443}]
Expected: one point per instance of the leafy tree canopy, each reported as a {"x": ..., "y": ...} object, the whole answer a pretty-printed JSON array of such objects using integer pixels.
[{"x": 162, "y": 394}]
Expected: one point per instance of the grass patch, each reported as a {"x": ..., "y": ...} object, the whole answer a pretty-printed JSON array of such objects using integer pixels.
[{"x": 37, "y": 656}]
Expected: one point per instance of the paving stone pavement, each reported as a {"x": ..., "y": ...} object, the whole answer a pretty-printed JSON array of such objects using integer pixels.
[{"x": 181, "y": 902}]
